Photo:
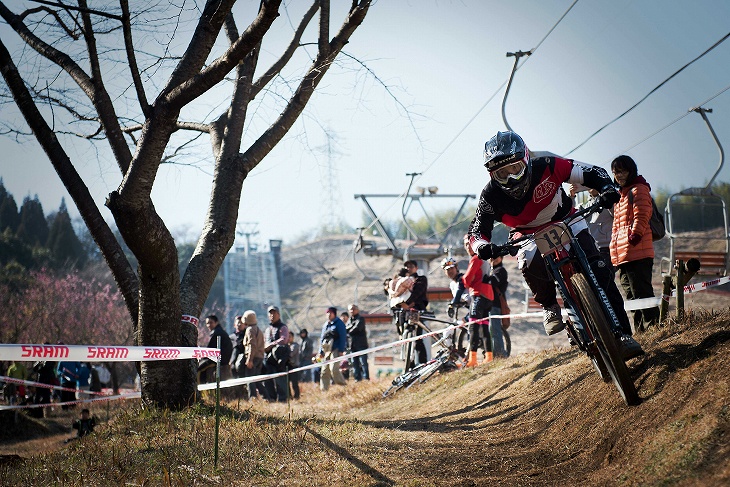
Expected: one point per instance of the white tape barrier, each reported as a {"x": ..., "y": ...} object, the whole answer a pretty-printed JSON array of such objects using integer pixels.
[
  {"x": 86, "y": 353},
  {"x": 82, "y": 352},
  {"x": 316, "y": 365},
  {"x": 644, "y": 303}
]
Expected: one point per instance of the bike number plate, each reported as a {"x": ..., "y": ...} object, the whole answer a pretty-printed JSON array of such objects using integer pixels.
[{"x": 552, "y": 238}]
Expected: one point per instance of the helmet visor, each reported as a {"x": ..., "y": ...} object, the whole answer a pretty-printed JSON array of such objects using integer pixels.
[{"x": 514, "y": 170}]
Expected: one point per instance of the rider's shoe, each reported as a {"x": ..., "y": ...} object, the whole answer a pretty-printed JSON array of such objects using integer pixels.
[
  {"x": 629, "y": 347},
  {"x": 552, "y": 319},
  {"x": 472, "y": 360},
  {"x": 488, "y": 357}
]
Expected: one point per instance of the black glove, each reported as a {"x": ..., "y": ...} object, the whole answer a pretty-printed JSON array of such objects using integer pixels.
[
  {"x": 450, "y": 311},
  {"x": 487, "y": 251},
  {"x": 609, "y": 198}
]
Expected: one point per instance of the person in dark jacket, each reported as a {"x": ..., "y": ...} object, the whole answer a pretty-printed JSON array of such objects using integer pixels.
[
  {"x": 358, "y": 334},
  {"x": 207, "y": 366},
  {"x": 419, "y": 301}
]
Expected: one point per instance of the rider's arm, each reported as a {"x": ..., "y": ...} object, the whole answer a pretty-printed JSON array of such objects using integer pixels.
[
  {"x": 594, "y": 177},
  {"x": 480, "y": 230}
]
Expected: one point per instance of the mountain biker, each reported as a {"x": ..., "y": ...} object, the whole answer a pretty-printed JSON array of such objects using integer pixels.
[{"x": 525, "y": 193}]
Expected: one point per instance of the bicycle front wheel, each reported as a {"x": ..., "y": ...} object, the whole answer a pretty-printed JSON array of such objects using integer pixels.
[
  {"x": 605, "y": 340},
  {"x": 507, "y": 343}
]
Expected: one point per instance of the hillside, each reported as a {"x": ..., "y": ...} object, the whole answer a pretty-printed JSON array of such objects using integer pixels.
[{"x": 541, "y": 417}]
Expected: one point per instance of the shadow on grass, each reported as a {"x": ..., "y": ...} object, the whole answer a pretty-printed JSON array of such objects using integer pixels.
[
  {"x": 364, "y": 467},
  {"x": 677, "y": 357}
]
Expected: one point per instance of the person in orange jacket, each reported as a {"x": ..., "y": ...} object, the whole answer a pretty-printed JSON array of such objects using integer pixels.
[
  {"x": 482, "y": 297},
  {"x": 632, "y": 248}
]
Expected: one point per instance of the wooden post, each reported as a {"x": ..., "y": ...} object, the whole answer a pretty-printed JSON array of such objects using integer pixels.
[
  {"x": 680, "y": 290},
  {"x": 666, "y": 291}
]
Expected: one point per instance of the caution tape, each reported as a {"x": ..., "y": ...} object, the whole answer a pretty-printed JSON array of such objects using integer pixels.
[
  {"x": 119, "y": 353},
  {"x": 645, "y": 303},
  {"x": 86, "y": 353}
]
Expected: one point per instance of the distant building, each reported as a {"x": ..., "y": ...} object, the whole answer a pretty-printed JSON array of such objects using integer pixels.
[{"x": 251, "y": 281}]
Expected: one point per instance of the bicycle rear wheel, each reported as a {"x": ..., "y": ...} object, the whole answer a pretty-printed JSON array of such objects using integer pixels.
[
  {"x": 408, "y": 347},
  {"x": 461, "y": 340},
  {"x": 605, "y": 340}
]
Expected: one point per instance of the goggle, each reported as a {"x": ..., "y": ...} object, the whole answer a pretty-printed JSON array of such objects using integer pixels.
[{"x": 513, "y": 170}]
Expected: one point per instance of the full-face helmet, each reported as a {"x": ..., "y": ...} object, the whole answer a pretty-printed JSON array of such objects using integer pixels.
[{"x": 507, "y": 159}]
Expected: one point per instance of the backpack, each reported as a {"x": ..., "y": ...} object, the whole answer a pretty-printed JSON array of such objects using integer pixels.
[{"x": 656, "y": 222}]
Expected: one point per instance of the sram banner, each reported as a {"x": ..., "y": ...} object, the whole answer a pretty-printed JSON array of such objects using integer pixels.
[{"x": 86, "y": 353}]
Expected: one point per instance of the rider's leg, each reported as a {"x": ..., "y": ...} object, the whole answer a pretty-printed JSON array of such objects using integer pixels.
[{"x": 543, "y": 287}]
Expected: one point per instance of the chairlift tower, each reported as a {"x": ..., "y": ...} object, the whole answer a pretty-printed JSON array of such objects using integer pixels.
[{"x": 419, "y": 247}]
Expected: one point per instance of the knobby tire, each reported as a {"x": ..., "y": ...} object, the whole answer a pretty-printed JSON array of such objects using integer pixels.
[{"x": 607, "y": 345}]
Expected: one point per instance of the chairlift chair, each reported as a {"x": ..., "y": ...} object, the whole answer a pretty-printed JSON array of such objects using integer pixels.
[{"x": 697, "y": 223}]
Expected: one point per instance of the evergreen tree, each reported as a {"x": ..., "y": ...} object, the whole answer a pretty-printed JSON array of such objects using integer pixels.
[
  {"x": 33, "y": 228},
  {"x": 63, "y": 244},
  {"x": 9, "y": 217}
]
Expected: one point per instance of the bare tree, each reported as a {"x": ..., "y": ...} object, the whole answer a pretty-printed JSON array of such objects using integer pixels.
[{"x": 81, "y": 70}]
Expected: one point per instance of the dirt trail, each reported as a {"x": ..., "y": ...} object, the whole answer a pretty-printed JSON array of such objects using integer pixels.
[{"x": 546, "y": 419}]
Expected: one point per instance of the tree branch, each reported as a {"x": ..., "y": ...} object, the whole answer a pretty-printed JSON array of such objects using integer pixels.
[
  {"x": 191, "y": 88},
  {"x": 113, "y": 254},
  {"x": 288, "y": 53},
  {"x": 132, "y": 59}
]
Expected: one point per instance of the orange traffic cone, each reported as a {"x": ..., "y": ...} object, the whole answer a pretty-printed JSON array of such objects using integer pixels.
[
  {"x": 472, "y": 360},
  {"x": 488, "y": 357}
]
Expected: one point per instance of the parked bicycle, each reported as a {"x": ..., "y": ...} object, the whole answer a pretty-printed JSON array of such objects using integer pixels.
[
  {"x": 461, "y": 335},
  {"x": 592, "y": 323},
  {"x": 448, "y": 357}
]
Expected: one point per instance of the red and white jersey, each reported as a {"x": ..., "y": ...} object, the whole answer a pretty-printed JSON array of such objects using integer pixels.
[{"x": 545, "y": 202}]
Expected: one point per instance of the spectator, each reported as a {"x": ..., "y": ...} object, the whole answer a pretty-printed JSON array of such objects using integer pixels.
[
  {"x": 277, "y": 334},
  {"x": 253, "y": 343},
  {"x": 15, "y": 393},
  {"x": 600, "y": 223},
  {"x": 632, "y": 248},
  {"x": 83, "y": 426},
  {"x": 293, "y": 364},
  {"x": 238, "y": 355},
  {"x": 68, "y": 373},
  {"x": 206, "y": 368},
  {"x": 84, "y": 372},
  {"x": 499, "y": 283},
  {"x": 105, "y": 376},
  {"x": 306, "y": 354},
  {"x": 45, "y": 373},
  {"x": 399, "y": 288},
  {"x": 332, "y": 344},
  {"x": 456, "y": 284},
  {"x": 482, "y": 298},
  {"x": 418, "y": 300},
  {"x": 525, "y": 193},
  {"x": 359, "y": 341},
  {"x": 94, "y": 381}
]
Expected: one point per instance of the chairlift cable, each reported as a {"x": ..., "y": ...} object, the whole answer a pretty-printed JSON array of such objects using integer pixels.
[
  {"x": 649, "y": 94},
  {"x": 674, "y": 121}
]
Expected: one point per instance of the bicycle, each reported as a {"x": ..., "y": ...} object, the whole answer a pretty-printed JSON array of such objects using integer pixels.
[
  {"x": 592, "y": 323},
  {"x": 462, "y": 334},
  {"x": 407, "y": 322},
  {"x": 448, "y": 358}
]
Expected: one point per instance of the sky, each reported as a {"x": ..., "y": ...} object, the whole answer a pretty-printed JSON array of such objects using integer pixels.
[{"x": 444, "y": 65}]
